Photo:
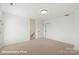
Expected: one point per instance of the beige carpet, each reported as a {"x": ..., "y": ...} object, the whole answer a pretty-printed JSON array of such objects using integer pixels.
[{"x": 40, "y": 47}]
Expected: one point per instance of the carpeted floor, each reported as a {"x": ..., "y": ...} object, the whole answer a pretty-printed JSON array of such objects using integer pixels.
[{"x": 40, "y": 47}]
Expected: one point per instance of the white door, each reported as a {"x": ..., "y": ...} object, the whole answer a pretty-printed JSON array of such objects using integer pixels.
[
  {"x": 40, "y": 29},
  {"x": 46, "y": 29}
]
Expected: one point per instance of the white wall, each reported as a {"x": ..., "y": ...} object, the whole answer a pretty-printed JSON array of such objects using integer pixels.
[
  {"x": 16, "y": 29},
  {"x": 76, "y": 28},
  {"x": 32, "y": 26},
  {"x": 36, "y": 25},
  {"x": 60, "y": 28},
  {"x": 1, "y": 29},
  {"x": 65, "y": 28}
]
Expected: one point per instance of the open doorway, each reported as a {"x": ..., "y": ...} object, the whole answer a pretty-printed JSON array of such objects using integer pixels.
[{"x": 32, "y": 29}]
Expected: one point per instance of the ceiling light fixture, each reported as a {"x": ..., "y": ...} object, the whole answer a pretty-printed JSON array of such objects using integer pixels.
[
  {"x": 44, "y": 11},
  {"x": 11, "y": 3}
]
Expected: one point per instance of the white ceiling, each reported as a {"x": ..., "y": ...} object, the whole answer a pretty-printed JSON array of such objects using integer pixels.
[{"x": 32, "y": 10}]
